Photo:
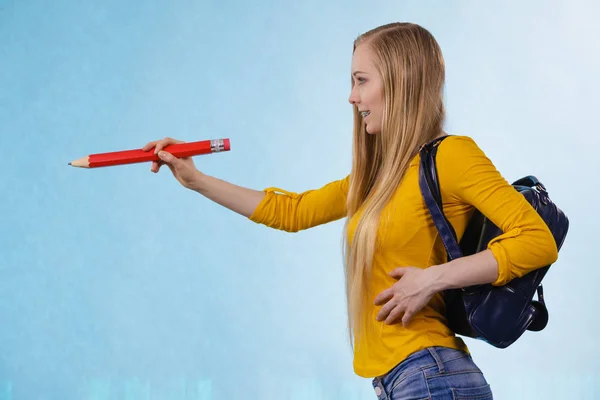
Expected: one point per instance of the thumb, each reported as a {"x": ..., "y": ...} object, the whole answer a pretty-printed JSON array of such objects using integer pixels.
[
  {"x": 398, "y": 272},
  {"x": 167, "y": 157}
]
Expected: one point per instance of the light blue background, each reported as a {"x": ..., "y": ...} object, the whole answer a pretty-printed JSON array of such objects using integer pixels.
[{"x": 116, "y": 283}]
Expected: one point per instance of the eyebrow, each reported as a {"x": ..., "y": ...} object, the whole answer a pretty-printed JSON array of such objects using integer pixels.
[{"x": 358, "y": 72}]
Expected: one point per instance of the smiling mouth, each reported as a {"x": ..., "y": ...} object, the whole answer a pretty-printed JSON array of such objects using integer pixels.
[{"x": 365, "y": 113}]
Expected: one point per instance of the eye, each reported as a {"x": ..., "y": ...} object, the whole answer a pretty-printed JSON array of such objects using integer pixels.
[{"x": 360, "y": 80}]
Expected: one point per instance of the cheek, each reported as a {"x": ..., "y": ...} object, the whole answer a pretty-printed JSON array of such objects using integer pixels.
[{"x": 376, "y": 101}]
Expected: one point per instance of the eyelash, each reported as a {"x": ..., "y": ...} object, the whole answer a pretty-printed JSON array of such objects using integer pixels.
[{"x": 361, "y": 80}]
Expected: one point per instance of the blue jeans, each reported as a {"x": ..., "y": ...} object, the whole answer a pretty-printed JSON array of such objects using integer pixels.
[{"x": 436, "y": 373}]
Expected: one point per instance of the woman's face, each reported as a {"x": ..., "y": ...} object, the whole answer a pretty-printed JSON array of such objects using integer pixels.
[{"x": 367, "y": 89}]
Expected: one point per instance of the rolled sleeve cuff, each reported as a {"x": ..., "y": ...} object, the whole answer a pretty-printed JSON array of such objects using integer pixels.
[{"x": 505, "y": 273}]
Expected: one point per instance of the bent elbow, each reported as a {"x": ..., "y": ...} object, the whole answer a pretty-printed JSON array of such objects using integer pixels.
[
  {"x": 547, "y": 249},
  {"x": 552, "y": 251}
]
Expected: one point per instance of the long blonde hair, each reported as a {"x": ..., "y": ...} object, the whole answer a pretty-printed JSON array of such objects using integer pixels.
[{"x": 411, "y": 66}]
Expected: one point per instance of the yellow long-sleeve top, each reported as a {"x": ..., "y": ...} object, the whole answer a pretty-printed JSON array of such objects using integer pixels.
[{"x": 409, "y": 237}]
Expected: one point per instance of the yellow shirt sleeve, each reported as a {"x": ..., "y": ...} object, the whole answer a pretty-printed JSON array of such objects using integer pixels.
[
  {"x": 467, "y": 175},
  {"x": 293, "y": 212}
]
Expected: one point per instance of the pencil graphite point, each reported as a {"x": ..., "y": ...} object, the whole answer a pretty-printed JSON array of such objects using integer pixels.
[{"x": 80, "y": 163}]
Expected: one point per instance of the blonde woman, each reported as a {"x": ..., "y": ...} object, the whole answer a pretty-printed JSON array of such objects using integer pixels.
[{"x": 395, "y": 263}]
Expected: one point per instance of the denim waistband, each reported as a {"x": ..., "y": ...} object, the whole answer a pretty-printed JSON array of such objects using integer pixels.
[{"x": 426, "y": 358}]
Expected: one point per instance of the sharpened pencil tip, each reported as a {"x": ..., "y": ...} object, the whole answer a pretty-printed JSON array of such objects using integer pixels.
[{"x": 69, "y": 163}]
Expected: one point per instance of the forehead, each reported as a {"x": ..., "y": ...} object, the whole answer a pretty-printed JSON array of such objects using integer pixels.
[{"x": 362, "y": 59}]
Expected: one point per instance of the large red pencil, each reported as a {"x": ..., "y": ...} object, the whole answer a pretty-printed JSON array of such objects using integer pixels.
[{"x": 137, "y": 156}]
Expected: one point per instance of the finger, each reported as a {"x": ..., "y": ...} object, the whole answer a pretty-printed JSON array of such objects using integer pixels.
[
  {"x": 395, "y": 314},
  {"x": 161, "y": 144},
  {"x": 168, "y": 158},
  {"x": 149, "y": 145},
  {"x": 385, "y": 310},
  {"x": 408, "y": 314},
  {"x": 156, "y": 166},
  {"x": 384, "y": 296},
  {"x": 166, "y": 142},
  {"x": 159, "y": 164}
]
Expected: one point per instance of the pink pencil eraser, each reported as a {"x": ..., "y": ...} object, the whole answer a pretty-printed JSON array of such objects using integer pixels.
[{"x": 226, "y": 144}]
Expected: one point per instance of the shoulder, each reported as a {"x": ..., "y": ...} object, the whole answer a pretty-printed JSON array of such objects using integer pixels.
[
  {"x": 457, "y": 150},
  {"x": 454, "y": 145},
  {"x": 461, "y": 161}
]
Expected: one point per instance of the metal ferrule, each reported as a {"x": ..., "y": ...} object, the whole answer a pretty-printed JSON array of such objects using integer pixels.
[{"x": 217, "y": 145}]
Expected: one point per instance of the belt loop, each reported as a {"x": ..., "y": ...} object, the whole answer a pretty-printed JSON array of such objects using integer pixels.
[
  {"x": 436, "y": 357},
  {"x": 379, "y": 389}
]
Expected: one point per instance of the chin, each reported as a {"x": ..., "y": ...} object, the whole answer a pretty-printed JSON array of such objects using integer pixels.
[{"x": 370, "y": 131}]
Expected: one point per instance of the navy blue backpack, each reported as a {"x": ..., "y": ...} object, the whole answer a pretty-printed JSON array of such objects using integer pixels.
[{"x": 498, "y": 315}]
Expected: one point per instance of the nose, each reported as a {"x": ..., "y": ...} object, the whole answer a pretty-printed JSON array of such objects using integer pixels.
[{"x": 353, "y": 99}]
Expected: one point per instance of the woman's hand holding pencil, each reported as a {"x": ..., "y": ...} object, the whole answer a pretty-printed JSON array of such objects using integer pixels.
[
  {"x": 183, "y": 169},
  {"x": 240, "y": 199}
]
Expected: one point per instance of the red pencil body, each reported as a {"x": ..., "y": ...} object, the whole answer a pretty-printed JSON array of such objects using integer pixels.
[{"x": 178, "y": 150}]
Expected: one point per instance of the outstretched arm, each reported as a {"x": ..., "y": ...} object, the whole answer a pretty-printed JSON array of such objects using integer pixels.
[
  {"x": 272, "y": 207},
  {"x": 236, "y": 198}
]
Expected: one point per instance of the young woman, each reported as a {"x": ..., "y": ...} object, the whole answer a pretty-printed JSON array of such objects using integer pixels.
[{"x": 394, "y": 260}]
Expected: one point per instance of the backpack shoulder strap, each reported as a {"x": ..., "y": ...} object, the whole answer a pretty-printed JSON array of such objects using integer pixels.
[{"x": 430, "y": 189}]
